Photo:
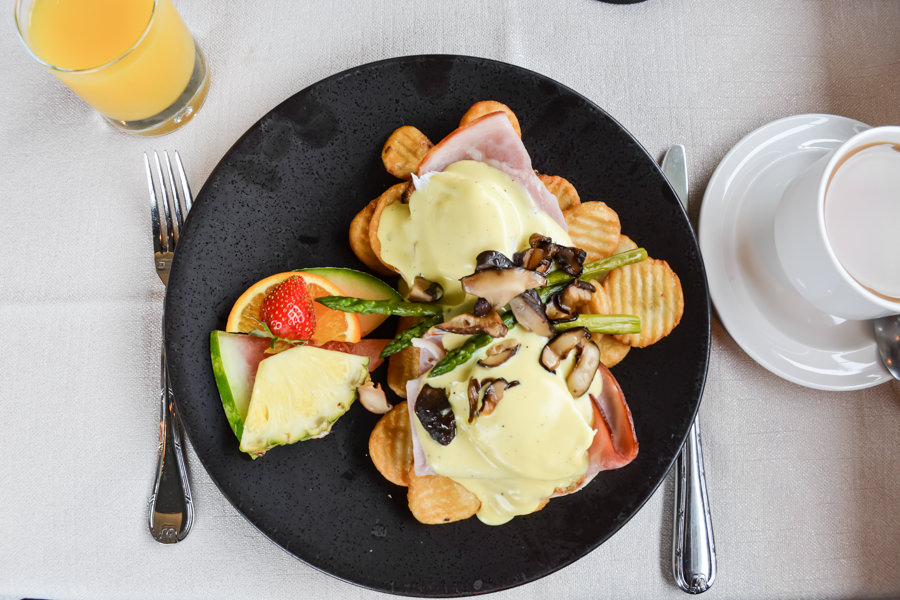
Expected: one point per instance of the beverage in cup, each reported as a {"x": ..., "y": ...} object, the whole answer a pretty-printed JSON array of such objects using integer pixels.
[
  {"x": 837, "y": 228},
  {"x": 134, "y": 61}
]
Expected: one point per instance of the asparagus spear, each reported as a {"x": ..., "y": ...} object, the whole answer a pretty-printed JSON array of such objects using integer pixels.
[
  {"x": 405, "y": 337},
  {"x": 397, "y": 308},
  {"x": 610, "y": 324},
  {"x": 599, "y": 267},
  {"x": 545, "y": 292},
  {"x": 462, "y": 353}
]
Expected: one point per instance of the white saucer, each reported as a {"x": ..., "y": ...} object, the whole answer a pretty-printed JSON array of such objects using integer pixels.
[{"x": 754, "y": 300}]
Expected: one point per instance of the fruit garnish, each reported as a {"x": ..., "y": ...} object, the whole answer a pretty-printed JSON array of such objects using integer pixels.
[
  {"x": 298, "y": 394},
  {"x": 331, "y": 325},
  {"x": 235, "y": 359},
  {"x": 361, "y": 285},
  {"x": 287, "y": 311}
]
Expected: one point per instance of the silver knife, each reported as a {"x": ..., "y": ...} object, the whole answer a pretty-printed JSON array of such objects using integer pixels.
[
  {"x": 693, "y": 546},
  {"x": 674, "y": 167}
]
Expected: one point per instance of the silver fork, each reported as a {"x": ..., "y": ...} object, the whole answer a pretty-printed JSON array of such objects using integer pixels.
[{"x": 171, "y": 505}]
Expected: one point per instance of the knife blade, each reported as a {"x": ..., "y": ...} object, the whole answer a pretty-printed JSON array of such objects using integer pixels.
[
  {"x": 674, "y": 167},
  {"x": 693, "y": 545}
]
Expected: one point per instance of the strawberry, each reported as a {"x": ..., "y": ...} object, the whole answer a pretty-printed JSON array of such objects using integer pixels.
[{"x": 288, "y": 310}]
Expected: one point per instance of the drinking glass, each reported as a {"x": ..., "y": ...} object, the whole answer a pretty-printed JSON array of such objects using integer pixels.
[{"x": 134, "y": 61}]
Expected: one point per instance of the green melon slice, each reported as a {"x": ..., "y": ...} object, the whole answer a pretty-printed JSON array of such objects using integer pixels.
[
  {"x": 359, "y": 285},
  {"x": 235, "y": 358},
  {"x": 298, "y": 394}
]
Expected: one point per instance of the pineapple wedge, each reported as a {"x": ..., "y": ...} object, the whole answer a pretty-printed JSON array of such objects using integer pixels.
[{"x": 298, "y": 394}]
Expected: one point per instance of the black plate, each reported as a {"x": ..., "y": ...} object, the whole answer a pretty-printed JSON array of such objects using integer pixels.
[{"x": 283, "y": 197}]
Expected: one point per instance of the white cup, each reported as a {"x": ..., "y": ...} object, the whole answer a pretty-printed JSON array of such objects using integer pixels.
[{"x": 837, "y": 228}]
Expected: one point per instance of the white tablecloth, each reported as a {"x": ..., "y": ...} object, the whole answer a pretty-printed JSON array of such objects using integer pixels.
[{"x": 804, "y": 484}]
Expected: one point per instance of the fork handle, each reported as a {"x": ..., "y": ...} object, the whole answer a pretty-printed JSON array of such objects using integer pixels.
[
  {"x": 171, "y": 505},
  {"x": 694, "y": 549}
]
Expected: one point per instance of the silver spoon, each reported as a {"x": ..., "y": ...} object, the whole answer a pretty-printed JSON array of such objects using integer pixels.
[{"x": 887, "y": 337}]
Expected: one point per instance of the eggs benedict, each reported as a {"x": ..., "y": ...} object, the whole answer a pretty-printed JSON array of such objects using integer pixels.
[{"x": 526, "y": 416}]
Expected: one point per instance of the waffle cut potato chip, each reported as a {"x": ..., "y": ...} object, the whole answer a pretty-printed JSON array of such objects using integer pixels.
[
  {"x": 404, "y": 150},
  {"x": 403, "y": 365},
  {"x": 595, "y": 228},
  {"x": 390, "y": 445},
  {"x": 612, "y": 351},
  {"x": 486, "y": 107},
  {"x": 359, "y": 239},
  {"x": 435, "y": 499},
  {"x": 650, "y": 290},
  {"x": 389, "y": 196},
  {"x": 565, "y": 192},
  {"x": 625, "y": 244}
]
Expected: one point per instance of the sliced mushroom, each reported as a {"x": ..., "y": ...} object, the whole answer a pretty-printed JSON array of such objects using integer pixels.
[
  {"x": 534, "y": 259},
  {"x": 537, "y": 239},
  {"x": 482, "y": 307},
  {"x": 491, "y": 259},
  {"x": 565, "y": 304},
  {"x": 493, "y": 393},
  {"x": 499, "y": 353},
  {"x": 499, "y": 286},
  {"x": 372, "y": 397},
  {"x": 434, "y": 412},
  {"x": 472, "y": 393},
  {"x": 576, "y": 294},
  {"x": 529, "y": 313},
  {"x": 570, "y": 259},
  {"x": 467, "y": 324},
  {"x": 558, "y": 313},
  {"x": 559, "y": 347},
  {"x": 424, "y": 290},
  {"x": 579, "y": 380},
  {"x": 544, "y": 245}
]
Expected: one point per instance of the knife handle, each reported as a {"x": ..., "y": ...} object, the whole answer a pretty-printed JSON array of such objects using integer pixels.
[{"x": 694, "y": 549}]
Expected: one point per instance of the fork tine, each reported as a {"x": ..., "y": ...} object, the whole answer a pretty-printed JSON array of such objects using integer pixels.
[
  {"x": 164, "y": 196},
  {"x": 154, "y": 208},
  {"x": 174, "y": 198},
  {"x": 186, "y": 189}
]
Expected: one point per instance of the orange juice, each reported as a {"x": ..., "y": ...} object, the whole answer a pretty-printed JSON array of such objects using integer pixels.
[{"x": 129, "y": 59}]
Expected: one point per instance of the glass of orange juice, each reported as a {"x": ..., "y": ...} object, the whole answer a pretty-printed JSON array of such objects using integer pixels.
[{"x": 134, "y": 61}]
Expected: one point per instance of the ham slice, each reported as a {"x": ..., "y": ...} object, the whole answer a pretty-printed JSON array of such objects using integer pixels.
[
  {"x": 431, "y": 350},
  {"x": 615, "y": 444},
  {"x": 491, "y": 139},
  {"x": 420, "y": 462},
  {"x": 367, "y": 347}
]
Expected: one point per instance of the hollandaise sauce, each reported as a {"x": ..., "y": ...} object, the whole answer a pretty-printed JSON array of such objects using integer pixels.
[
  {"x": 534, "y": 442},
  {"x": 453, "y": 216}
]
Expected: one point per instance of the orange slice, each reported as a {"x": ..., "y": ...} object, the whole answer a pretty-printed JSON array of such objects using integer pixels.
[{"x": 331, "y": 325}]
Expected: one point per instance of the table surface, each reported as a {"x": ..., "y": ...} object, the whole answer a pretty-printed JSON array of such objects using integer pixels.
[{"x": 803, "y": 483}]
